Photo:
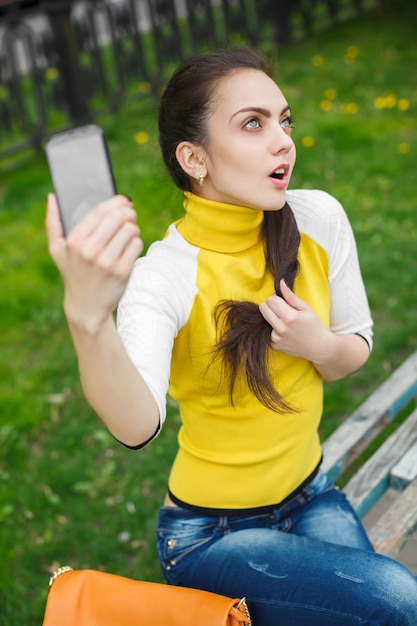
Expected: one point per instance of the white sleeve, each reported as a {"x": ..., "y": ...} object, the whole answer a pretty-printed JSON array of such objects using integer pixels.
[
  {"x": 155, "y": 305},
  {"x": 349, "y": 304},
  {"x": 322, "y": 217}
]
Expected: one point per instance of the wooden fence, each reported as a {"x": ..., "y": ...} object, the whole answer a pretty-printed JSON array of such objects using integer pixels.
[{"x": 63, "y": 62}]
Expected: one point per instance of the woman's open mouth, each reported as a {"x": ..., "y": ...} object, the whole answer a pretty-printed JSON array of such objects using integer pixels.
[{"x": 279, "y": 176}]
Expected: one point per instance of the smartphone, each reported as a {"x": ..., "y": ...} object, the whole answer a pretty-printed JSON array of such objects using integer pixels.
[{"x": 81, "y": 172}]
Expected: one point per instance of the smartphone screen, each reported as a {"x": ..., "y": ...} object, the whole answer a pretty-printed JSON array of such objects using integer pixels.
[{"x": 81, "y": 172}]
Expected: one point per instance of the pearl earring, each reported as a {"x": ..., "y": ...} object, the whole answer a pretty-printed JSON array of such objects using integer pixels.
[{"x": 201, "y": 180}]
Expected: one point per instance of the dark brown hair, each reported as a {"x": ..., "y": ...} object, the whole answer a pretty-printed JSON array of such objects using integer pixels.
[{"x": 186, "y": 105}]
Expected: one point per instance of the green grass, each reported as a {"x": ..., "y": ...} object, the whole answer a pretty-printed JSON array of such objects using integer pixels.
[{"x": 69, "y": 493}]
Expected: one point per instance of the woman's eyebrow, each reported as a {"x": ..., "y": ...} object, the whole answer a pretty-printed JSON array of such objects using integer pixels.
[{"x": 260, "y": 110}]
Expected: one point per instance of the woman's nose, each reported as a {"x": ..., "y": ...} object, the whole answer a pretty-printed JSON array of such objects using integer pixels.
[{"x": 281, "y": 140}]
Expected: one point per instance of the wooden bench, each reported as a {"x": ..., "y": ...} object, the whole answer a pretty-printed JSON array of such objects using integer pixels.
[{"x": 392, "y": 466}]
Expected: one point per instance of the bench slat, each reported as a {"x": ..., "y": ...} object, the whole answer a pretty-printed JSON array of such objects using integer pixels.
[
  {"x": 405, "y": 471},
  {"x": 371, "y": 480},
  {"x": 383, "y": 405},
  {"x": 396, "y": 525}
]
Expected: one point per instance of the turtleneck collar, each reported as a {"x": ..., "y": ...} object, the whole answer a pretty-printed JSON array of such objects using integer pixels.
[{"x": 218, "y": 226}]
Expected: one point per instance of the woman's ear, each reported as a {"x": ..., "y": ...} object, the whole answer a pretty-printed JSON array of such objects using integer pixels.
[{"x": 191, "y": 159}]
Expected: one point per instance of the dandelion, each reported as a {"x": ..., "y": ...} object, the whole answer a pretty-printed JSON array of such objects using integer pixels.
[
  {"x": 390, "y": 101},
  {"x": 404, "y": 104},
  {"x": 141, "y": 137},
  {"x": 379, "y": 102},
  {"x": 317, "y": 60},
  {"x": 308, "y": 141},
  {"x": 330, "y": 94},
  {"x": 350, "y": 108},
  {"x": 326, "y": 105},
  {"x": 51, "y": 73},
  {"x": 403, "y": 148},
  {"x": 351, "y": 54},
  {"x": 145, "y": 86},
  {"x": 385, "y": 102}
]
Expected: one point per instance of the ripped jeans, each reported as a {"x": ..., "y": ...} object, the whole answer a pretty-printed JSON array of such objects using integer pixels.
[{"x": 306, "y": 563}]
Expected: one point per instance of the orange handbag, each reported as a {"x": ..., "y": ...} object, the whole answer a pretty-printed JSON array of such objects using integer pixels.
[{"x": 93, "y": 598}]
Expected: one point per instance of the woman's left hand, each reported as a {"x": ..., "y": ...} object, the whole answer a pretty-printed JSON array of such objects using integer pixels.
[
  {"x": 296, "y": 328},
  {"x": 298, "y": 331}
]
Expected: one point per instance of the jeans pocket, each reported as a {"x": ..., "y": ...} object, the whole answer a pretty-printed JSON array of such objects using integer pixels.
[{"x": 177, "y": 548}]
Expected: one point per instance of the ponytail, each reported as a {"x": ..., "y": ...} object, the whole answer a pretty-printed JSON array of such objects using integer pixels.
[{"x": 244, "y": 333}]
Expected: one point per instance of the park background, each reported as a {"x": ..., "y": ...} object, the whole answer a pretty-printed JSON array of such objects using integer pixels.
[{"x": 69, "y": 493}]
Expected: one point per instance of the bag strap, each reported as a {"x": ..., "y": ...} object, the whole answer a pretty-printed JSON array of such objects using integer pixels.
[
  {"x": 58, "y": 572},
  {"x": 239, "y": 614}
]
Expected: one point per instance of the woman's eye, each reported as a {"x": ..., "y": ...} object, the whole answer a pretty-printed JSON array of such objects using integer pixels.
[
  {"x": 287, "y": 122},
  {"x": 252, "y": 123}
]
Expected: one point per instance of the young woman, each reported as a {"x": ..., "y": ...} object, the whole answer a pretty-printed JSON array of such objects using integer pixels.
[{"x": 250, "y": 301}]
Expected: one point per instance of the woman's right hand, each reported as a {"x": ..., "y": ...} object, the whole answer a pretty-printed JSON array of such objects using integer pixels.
[{"x": 95, "y": 260}]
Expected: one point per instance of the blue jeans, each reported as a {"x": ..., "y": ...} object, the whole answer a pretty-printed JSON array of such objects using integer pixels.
[{"x": 306, "y": 563}]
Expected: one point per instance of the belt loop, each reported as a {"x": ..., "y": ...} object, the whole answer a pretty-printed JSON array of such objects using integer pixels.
[{"x": 222, "y": 523}]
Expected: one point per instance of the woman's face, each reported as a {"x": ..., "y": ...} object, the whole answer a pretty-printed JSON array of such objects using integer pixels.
[{"x": 249, "y": 153}]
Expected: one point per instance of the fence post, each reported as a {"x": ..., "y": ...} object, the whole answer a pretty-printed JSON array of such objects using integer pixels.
[
  {"x": 280, "y": 11},
  {"x": 59, "y": 14}
]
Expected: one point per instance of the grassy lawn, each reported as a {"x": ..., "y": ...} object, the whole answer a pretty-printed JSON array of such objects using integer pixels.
[{"x": 69, "y": 494}]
